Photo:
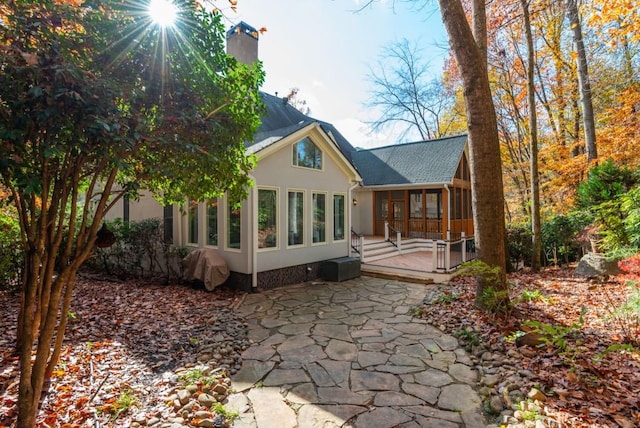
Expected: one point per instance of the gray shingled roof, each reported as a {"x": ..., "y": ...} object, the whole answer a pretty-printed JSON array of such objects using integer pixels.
[
  {"x": 423, "y": 162},
  {"x": 282, "y": 119}
]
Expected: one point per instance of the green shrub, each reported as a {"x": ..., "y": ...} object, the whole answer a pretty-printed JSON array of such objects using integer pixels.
[
  {"x": 630, "y": 205},
  {"x": 519, "y": 244},
  {"x": 140, "y": 249},
  {"x": 611, "y": 225},
  {"x": 559, "y": 236},
  {"x": 11, "y": 254},
  {"x": 605, "y": 182}
]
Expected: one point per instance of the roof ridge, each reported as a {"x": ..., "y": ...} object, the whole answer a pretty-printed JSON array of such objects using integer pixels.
[{"x": 449, "y": 137}]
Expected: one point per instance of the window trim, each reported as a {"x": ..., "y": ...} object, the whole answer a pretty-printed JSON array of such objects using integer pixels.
[
  {"x": 304, "y": 214},
  {"x": 294, "y": 159},
  {"x": 344, "y": 217},
  {"x": 278, "y": 234},
  {"x": 227, "y": 207},
  {"x": 188, "y": 240},
  {"x": 326, "y": 196},
  {"x": 206, "y": 222}
]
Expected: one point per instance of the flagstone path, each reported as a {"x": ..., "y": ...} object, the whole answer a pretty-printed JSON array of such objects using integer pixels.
[{"x": 350, "y": 354}]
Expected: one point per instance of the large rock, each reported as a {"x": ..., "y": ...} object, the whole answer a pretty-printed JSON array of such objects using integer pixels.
[{"x": 594, "y": 264}]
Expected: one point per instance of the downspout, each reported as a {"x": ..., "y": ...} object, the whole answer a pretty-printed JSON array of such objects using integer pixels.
[{"x": 253, "y": 251}]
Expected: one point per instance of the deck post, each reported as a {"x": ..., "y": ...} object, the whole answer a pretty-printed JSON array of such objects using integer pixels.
[
  {"x": 434, "y": 255},
  {"x": 361, "y": 244},
  {"x": 399, "y": 241},
  {"x": 386, "y": 230},
  {"x": 464, "y": 246},
  {"x": 447, "y": 256}
]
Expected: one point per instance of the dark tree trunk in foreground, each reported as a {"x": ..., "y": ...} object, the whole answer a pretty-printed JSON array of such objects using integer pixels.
[{"x": 486, "y": 166}]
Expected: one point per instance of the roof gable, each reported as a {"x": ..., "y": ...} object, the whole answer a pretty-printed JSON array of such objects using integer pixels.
[
  {"x": 282, "y": 119},
  {"x": 423, "y": 162}
]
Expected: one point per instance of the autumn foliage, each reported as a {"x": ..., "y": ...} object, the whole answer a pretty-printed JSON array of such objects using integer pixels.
[{"x": 612, "y": 39}]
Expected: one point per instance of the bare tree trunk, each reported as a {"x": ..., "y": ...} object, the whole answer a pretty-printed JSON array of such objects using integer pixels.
[
  {"x": 479, "y": 17},
  {"x": 484, "y": 146},
  {"x": 536, "y": 233},
  {"x": 583, "y": 80}
]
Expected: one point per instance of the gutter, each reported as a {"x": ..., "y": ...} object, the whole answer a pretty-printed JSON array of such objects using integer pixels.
[
  {"x": 253, "y": 251},
  {"x": 406, "y": 186}
]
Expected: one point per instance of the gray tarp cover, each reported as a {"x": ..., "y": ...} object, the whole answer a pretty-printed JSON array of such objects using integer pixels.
[{"x": 206, "y": 265}]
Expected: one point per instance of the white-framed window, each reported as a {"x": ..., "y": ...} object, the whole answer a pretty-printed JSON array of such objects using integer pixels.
[
  {"x": 212, "y": 222},
  {"x": 339, "y": 216},
  {"x": 319, "y": 224},
  {"x": 233, "y": 235},
  {"x": 306, "y": 154},
  {"x": 192, "y": 222},
  {"x": 267, "y": 218},
  {"x": 295, "y": 217}
]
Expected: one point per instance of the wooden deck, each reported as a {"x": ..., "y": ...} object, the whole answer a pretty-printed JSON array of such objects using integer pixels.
[{"x": 413, "y": 267}]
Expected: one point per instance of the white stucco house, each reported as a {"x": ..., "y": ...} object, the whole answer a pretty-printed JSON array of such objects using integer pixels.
[{"x": 312, "y": 188}]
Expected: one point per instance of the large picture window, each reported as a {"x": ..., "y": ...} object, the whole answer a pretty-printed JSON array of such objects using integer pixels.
[
  {"x": 212, "y": 222},
  {"x": 295, "y": 218},
  {"x": 338, "y": 217},
  {"x": 306, "y": 154},
  {"x": 192, "y": 233},
  {"x": 233, "y": 227},
  {"x": 267, "y": 218},
  {"x": 319, "y": 217}
]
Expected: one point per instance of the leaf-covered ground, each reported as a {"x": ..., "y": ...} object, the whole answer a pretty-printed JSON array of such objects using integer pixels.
[
  {"x": 125, "y": 338},
  {"x": 589, "y": 378}
]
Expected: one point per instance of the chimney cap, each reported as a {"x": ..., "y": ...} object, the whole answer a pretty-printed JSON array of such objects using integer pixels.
[{"x": 243, "y": 27}]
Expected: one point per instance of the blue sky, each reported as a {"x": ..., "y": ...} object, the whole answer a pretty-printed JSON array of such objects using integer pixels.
[{"x": 326, "y": 50}]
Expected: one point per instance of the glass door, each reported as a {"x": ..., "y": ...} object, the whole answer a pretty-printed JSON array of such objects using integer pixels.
[{"x": 397, "y": 220}]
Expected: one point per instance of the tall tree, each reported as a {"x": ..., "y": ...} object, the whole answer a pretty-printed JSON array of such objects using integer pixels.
[
  {"x": 484, "y": 144},
  {"x": 89, "y": 113},
  {"x": 583, "y": 80},
  {"x": 405, "y": 93},
  {"x": 533, "y": 141}
]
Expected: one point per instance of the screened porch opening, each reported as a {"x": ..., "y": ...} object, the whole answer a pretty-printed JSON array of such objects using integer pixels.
[{"x": 424, "y": 213}]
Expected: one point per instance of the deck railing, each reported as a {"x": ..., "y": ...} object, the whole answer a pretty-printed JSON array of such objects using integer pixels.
[
  {"x": 392, "y": 235},
  {"x": 357, "y": 243},
  {"x": 452, "y": 253}
]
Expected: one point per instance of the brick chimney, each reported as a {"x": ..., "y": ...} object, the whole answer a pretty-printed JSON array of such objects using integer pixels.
[{"x": 242, "y": 43}]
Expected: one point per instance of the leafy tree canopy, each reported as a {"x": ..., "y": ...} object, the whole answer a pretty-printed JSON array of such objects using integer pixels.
[
  {"x": 97, "y": 88},
  {"x": 96, "y": 101}
]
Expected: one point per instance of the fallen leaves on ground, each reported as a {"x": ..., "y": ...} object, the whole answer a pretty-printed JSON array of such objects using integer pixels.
[
  {"x": 121, "y": 341},
  {"x": 594, "y": 380},
  {"x": 123, "y": 337}
]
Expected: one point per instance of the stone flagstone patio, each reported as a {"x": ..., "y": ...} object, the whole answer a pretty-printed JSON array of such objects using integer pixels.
[{"x": 350, "y": 354}]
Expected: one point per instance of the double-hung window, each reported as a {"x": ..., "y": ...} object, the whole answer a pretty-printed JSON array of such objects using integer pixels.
[
  {"x": 295, "y": 220},
  {"x": 319, "y": 217},
  {"x": 267, "y": 218}
]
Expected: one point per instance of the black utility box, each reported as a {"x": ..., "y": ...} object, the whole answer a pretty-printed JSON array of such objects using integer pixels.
[{"x": 341, "y": 269}]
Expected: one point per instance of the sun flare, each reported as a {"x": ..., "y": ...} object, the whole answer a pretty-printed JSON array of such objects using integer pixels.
[{"x": 163, "y": 12}]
